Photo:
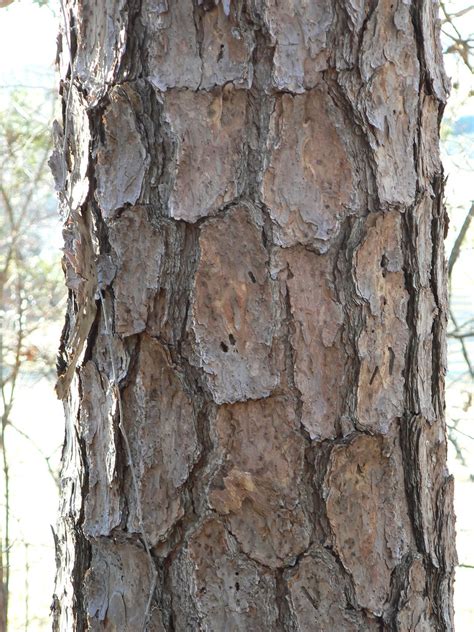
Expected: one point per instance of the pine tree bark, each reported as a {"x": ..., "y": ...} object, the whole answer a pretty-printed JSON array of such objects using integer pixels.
[{"x": 253, "y": 358}]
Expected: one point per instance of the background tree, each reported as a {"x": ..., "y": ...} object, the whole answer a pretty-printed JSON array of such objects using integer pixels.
[
  {"x": 253, "y": 358},
  {"x": 457, "y": 135},
  {"x": 31, "y": 292}
]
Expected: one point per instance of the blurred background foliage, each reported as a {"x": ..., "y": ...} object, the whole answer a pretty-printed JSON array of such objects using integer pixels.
[
  {"x": 31, "y": 293},
  {"x": 31, "y": 283},
  {"x": 32, "y": 298},
  {"x": 457, "y": 135}
]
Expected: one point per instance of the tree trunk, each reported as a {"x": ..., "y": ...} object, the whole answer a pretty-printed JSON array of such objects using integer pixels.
[
  {"x": 253, "y": 358},
  {"x": 3, "y": 596}
]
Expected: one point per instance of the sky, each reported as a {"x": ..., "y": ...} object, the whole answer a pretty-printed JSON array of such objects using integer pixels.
[{"x": 27, "y": 44}]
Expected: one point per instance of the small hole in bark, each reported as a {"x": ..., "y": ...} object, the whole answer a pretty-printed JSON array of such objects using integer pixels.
[
  {"x": 209, "y": 5},
  {"x": 391, "y": 360},
  {"x": 252, "y": 276},
  {"x": 237, "y": 586},
  {"x": 374, "y": 375},
  {"x": 231, "y": 339},
  {"x": 237, "y": 573},
  {"x": 221, "y": 53},
  {"x": 224, "y": 347}
]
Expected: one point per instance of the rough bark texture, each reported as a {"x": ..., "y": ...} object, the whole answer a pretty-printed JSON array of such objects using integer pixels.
[{"x": 254, "y": 188}]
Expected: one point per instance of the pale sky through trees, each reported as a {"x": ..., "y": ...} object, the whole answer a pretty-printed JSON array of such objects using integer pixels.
[
  {"x": 27, "y": 45},
  {"x": 27, "y": 54}
]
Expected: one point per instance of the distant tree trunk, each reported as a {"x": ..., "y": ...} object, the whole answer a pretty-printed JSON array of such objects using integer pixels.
[
  {"x": 253, "y": 359},
  {"x": 3, "y": 597}
]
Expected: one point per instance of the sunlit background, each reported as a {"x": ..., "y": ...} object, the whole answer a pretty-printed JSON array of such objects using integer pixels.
[
  {"x": 32, "y": 299},
  {"x": 32, "y": 302}
]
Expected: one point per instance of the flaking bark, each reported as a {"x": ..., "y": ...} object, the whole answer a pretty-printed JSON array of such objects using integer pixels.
[{"x": 262, "y": 188}]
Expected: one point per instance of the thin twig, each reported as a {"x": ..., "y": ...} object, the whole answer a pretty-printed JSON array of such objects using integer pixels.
[
  {"x": 27, "y": 589},
  {"x": 461, "y": 45},
  {"x": 456, "y": 429},
  {"x": 459, "y": 336},
  {"x": 457, "y": 447},
  {"x": 54, "y": 475},
  {"x": 6, "y": 539},
  {"x": 462, "y": 12},
  {"x": 460, "y": 328},
  {"x": 464, "y": 350},
  {"x": 449, "y": 18},
  {"x": 456, "y": 249}
]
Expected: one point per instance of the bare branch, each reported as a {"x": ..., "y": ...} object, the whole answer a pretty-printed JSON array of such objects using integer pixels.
[
  {"x": 459, "y": 336},
  {"x": 456, "y": 249},
  {"x": 456, "y": 429}
]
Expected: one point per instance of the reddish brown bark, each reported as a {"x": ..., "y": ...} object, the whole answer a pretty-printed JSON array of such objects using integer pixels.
[{"x": 254, "y": 199}]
